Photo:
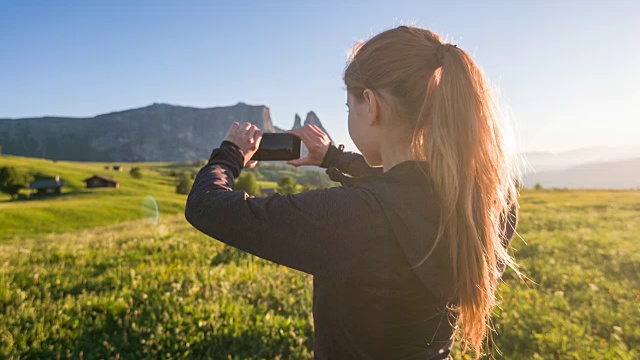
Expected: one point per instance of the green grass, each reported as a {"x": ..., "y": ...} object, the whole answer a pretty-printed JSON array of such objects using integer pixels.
[
  {"x": 131, "y": 290},
  {"x": 82, "y": 208},
  {"x": 267, "y": 184},
  {"x": 135, "y": 290},
  {"x": 274, "y": 185},
  {"x": 582, "y": 252},
  {"x": 79, "y": 207}
]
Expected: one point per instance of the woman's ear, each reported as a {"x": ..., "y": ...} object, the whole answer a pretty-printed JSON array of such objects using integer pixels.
[{"x": 373, "y": 107}]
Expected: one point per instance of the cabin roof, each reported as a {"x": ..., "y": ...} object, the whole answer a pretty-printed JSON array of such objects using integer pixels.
[
  {"x": 46, "y": 184},
  {"x": 103, "y": 178}
]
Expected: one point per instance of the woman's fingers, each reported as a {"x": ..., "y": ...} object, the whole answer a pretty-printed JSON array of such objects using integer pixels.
[
  {"x": 258, "y": 134},
  {"x": 247, "y": 137},
  {"x": 251, "y": 131},
  {"x": 316, "y": 129},
  {"x": 234, "y": 127},
  {"x": 299, "y": 162},
  {"x": 295, "y": 131},
  {"x": 317, "y": 144},
  {"x": 301, "y": 134}
]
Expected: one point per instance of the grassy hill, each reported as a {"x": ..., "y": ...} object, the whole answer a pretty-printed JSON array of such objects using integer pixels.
[
  {"x": 79, "y": 207},
  {"x": 132, "y": 290}
]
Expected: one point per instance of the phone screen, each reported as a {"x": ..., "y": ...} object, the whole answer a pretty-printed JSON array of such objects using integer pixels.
[{"x": 278, "y": 146}]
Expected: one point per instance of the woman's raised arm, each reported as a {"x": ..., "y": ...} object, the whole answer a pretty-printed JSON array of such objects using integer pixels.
[{"x": 321, "y": 232}]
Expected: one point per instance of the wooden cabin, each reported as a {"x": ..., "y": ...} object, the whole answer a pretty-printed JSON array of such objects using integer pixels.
[
  {"x": 117, "y": 168},
  {"x": 101, "y": 181},
  {"x": 46, "y": 186}
]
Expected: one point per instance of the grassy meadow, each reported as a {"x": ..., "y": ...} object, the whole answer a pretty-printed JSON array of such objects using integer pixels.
[
  {"x": 82, "y": 277},
  {"x": 81, "y": 208}
]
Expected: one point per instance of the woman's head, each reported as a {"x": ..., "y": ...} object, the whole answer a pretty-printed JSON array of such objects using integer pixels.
[
  {"x": 405, "y": 82},
  {"x": 386, "y": 83}
]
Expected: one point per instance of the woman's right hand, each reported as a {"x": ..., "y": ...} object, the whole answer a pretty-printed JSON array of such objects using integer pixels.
[{"x": 317, "y": 142}]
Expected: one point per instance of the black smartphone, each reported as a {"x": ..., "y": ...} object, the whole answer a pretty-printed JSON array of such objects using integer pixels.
[{"x": 278, "y": 146}]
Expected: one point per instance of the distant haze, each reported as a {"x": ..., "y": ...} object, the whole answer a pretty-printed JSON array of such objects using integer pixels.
[{"x": 598, "y": 167}]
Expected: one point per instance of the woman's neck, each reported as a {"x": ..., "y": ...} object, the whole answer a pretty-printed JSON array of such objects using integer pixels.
[{"x": 393, "y": 153}]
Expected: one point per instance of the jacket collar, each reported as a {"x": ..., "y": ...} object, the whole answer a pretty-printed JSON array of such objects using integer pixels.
[{"x": 410, "y": 171}]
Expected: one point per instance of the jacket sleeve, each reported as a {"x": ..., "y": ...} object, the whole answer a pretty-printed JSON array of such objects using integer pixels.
[
  {"x": 320, "y": 232},
  {"x": 348, "y": 162}
]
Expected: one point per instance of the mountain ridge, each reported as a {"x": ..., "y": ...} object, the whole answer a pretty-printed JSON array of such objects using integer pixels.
[
  {"x": 541, "y": 161},
  {"x": 137, "y": 134},
  {"x": 620, "y": 174}
]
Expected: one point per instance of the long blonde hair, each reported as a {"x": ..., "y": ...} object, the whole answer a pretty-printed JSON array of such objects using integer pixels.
[{"x": 439, "y": 92}]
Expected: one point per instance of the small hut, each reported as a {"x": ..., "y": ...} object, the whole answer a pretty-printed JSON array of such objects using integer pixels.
[
  {"x": 46, "y": 186},
  {"x": 101, "y": 181},
  {"x": 117, "y": 168}
]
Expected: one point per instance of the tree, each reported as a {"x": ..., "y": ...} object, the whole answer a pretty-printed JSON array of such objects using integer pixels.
[
  {"x": 183, "y": 184},
  {"x": 316, "y": 179},
  {"x": 248, "y": 183},
  {"x": 286, "y": 185},
  {"x": 255, "y": 172},
  {"x": 135, "y": 172},
  {"x": 537, "y": 186},
  {"x": 12, "y": 180}
]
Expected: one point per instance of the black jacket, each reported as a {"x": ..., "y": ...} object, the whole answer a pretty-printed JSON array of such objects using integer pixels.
[{"x": 357, "y": 240}]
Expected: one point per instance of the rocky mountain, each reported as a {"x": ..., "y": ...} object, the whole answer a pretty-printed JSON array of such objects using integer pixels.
[
  {"x": 159, "y": 132},
  {"x": 296, "y": 122}
]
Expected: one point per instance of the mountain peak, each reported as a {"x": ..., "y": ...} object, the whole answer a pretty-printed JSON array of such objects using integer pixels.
[
  {"x": 297, "y": 122},
  {"x": 312, "y": 118}
]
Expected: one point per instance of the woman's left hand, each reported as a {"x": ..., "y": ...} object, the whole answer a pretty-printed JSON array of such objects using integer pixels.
[{"x": 247, "y": 137}]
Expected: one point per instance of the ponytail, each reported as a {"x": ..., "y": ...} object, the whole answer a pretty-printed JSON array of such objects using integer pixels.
[
  {"x": 463, "y": 142},
  {"x": 442, "y": 94}
]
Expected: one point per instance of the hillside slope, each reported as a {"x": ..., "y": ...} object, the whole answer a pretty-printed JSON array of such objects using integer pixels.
[{"x": 79, "y": 207}]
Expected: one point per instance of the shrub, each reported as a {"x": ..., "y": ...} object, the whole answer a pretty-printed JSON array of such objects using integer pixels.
[
  {"x": 12, "y": 180},
  {"x": 286, "y": 185},
  {"x": 248, "y": 183},
  {"x": 183, "y": 184},
  {"x": 135, "y": 172}
]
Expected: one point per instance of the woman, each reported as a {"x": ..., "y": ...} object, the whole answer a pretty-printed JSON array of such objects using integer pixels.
[{"x": 411, "y": 248}]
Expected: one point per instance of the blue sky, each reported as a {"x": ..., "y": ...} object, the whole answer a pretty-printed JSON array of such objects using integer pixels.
[{"x": 567, "y": 71}]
